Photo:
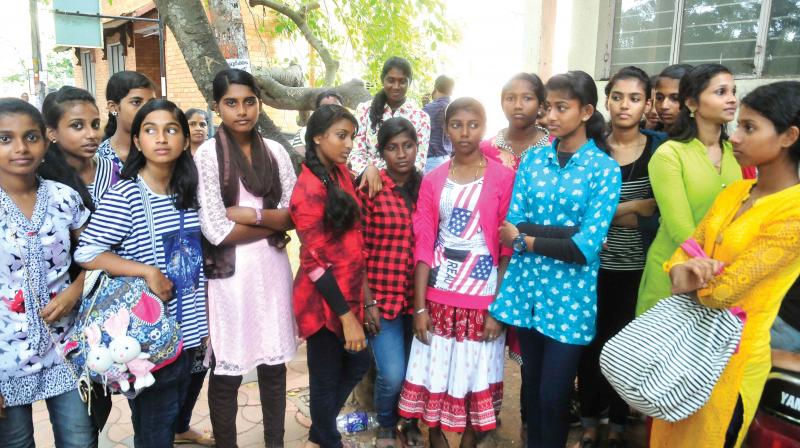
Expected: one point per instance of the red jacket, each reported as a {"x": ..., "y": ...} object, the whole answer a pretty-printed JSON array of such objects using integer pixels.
[{"x": 321, "y": 250}]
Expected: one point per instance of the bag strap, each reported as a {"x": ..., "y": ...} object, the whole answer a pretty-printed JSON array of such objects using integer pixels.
[{"x": 148, "y": 213}]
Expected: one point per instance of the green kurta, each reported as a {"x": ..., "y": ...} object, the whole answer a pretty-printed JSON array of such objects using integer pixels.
[{"x": 685, "y": 184}]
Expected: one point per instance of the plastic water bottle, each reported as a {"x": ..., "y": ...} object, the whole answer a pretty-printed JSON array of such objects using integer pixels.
[{"x": 356, "y": 422}]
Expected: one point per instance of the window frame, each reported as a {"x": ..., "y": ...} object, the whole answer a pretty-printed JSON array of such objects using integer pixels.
[
  {"x": 759, "y": 58},
  {"x": 88, "y": 71},
  {"x": 115, "y": 54}
]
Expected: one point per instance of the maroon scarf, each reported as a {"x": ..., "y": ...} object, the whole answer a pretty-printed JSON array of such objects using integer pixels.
[{"x": 260, "y": 177}]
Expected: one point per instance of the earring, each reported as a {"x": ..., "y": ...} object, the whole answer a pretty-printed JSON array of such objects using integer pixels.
[
  {"x": 54, "y": 140},
  {"x": 114, "y": 113},
  {"x": 691, "y": 114}
]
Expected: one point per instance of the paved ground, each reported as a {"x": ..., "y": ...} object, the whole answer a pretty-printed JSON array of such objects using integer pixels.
[{"x": 119, "y": 432}]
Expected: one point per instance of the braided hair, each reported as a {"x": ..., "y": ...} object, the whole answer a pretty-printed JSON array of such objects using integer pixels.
[{"x": 341, "y": 209}]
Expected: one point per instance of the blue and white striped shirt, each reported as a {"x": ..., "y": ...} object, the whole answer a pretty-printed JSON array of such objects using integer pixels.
[{"x": 120, "y": 225}]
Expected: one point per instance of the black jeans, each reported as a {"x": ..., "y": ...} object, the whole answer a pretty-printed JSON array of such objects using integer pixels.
[
  {"x": 333, "y": 373},
  {"x": 192, "y": 393},
  {"x": 549, "y": 374},
  {"x": 616, "y": 306},
  {"x": 155, "y": 410},
  {"x": 223, "y": 404}
]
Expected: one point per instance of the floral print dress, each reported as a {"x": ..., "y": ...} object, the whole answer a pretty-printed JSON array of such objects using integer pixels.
[{"x": 34, "y": 263}]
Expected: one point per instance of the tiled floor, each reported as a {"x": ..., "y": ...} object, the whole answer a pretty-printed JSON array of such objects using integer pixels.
[{"x": 119, "y": 432}]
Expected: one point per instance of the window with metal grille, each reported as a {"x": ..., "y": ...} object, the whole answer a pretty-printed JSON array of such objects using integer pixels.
[
  {"x": 87, "y": 67},
  {"x": 116, "y": 58},
  {"x": 753, "y": 38}
]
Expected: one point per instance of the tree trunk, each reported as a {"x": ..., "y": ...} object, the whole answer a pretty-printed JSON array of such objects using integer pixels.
[
  {"x": 226, "y": 21},
  {"x": 189, "y": 24}
]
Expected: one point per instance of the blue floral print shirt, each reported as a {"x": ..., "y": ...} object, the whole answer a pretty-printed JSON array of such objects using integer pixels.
[{"x": 556, "y": 298}]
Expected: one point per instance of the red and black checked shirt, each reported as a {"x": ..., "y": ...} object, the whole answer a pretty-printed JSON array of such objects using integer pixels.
[{"x": 389, "y": 243}]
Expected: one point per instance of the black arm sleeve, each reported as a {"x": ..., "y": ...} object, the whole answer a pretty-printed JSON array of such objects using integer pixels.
[
  {"x": 326, "y": 285},
  {"x": 563, "y": 249},
  {"x": 540, "y": 231}
]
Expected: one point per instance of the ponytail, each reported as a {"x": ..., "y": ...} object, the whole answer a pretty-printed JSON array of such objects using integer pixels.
[
  {"x": 596, "y": 130},
  {"x": 111, "y": 126},
  {"x": 376, "y": 110},
  {"x": 341, "y": 209}
]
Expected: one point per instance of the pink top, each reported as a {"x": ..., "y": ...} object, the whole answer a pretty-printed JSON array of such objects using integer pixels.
[
  {"x": 491, "y": 209},
  {"x": 250, "y": 316}
]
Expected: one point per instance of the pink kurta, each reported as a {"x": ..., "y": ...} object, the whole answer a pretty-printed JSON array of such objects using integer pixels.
[{"x": 250, "y": 315}]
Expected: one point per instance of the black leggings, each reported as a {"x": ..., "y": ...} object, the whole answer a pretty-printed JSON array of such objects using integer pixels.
[
  {"x": 736, "y": 424},
  {"x": 616, "y": 304},
  {"x": 223, "y": 393}
]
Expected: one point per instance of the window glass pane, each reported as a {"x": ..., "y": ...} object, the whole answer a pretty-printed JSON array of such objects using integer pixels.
[
  {"x": 116, "y": 58},
  {"x": 783, "y": 45},
  {"x": 642, "y": 34},
  {"x": 87, "y": 67},
  {"x": 721, "y": 31}
]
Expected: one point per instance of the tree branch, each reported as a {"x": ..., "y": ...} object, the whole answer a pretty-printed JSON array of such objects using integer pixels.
[
  {"x": 299, "y": 19},
  {"x": 279, "y": 96}
]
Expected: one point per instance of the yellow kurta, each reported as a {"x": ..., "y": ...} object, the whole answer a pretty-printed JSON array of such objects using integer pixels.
[{"x": 761, "y": 252}]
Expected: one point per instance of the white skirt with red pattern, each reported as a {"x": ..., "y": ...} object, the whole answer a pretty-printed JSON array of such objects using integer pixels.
[{"x": 457, "y": 380}]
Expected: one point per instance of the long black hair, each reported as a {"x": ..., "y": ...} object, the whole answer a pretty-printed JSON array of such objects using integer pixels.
[
  {"x": 341, "y": 209},
  {"x": 55, "y": 166},
  {"x": 579, "y": 85},
  {"x": 183, "y": 183},
  {"x": 692, "y": 85},
  {"x": 779, "y": 103},
  {"x": 118, "y": 87},
  {"x": 533, "y": 79},
  {"x": 390, "y": 129},
  {"x": 379, "y": 102}
]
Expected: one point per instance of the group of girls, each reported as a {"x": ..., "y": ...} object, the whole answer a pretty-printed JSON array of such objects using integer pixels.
[{"x": 545, "y": 230}]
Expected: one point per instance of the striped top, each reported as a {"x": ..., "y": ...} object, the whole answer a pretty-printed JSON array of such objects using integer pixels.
[
  {"x": 120, "y": 225},
  {"x": 625, "y": 248},
  {"x": 106, "y": 175}
]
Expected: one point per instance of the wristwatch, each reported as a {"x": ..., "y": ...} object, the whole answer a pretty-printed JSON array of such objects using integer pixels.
[{"x": 519, "y": 244}]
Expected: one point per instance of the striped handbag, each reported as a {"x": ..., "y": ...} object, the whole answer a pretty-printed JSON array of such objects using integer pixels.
[{"x": 666, "y": 362}]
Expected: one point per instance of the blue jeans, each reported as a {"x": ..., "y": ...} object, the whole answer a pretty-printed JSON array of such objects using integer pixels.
[
  {"x": 155, "y": 411},
  {"x": 72, "y": 426},
  {"x": 549, "y": 374},
  {"x": 433, "y": 162},
  {"x": 332, "y": 375},
  {"x": 390, "y": 365},
  {"x": 784, "y": 336}
]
